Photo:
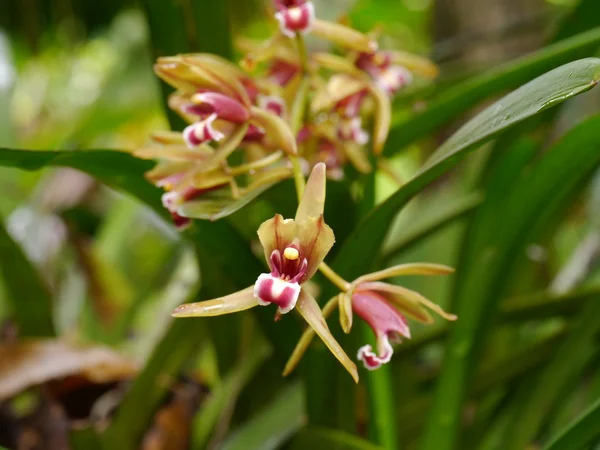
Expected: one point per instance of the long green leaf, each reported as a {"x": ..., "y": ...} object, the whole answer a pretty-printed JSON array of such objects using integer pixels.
[
  {"x": 317, "y": 438},
  {"x": 526, "y": 205},
  {"x": 548, "y": 90},
  {"x": 567, "y": 365},
  {"x": 421, "y": 231},
  {"x": 273, "y": 425},
  {"x": 29, "y": 297},
  {"x": 116, "y": 169},
  {"x": 460, "y": 98},
  {"x": 579, "y": 433}
]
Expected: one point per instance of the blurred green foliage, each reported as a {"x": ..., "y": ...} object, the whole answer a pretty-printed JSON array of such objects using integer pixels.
[{"x": 511, "y": 200}]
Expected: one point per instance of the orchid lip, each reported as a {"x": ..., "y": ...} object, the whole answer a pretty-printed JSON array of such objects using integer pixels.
[
  {"x": 271, "y": 289},
  {"x": 200, "y": 132},
  {"x": 297, "y": 18}
]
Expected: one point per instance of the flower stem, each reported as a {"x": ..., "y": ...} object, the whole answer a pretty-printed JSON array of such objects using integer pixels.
[
  {"x": 334, "y": 277},
  {"x": 298, "y": 112}
]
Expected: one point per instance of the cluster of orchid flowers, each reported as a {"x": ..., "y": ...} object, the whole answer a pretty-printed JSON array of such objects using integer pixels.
[{"x": 289, "y": 114}]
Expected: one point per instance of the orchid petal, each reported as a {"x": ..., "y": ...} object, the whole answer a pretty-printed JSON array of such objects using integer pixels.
[
  {"x": 295, "y": 19},
  {"x": 165, "y": 169},
  {"x": 238, "y": 301},
  {"x": 407, "y": 269},
  {"x": 173, "y": 153},
  {"x": 312, "y": 204},
  {"x": 357, "y": 157},
  {"x": 227, "y": 147},
  {"x": 167, "y": 137},
  {"x": 276, "y": 233},
  {"x": 382, "y": 317},
  {"x": 269, "y": 289},
  {"x": 226, "y": 108},
  {"x": 315, "y": 240},
  {"x": 307, "y": 337},
  {"x": 382, "y": 120},
  {"x": 415, "y": 63},
  {"x": 373, "y": 361},
  {"x": 408, "y": 295},
  {"x": 309, "y": 309},
  {"x": 338, "y": 88},
  {"x": 257, "y": 164},
  {"x": 345, "y": 306},
  {"x": 227, "y": 74},
  {"x": 336, "y": 63},
  {"x": 343, "y": 36},
  {"x": 276, "y": 128},
  {"x": 208, "y": 180},
  {"x": 181, "y": 76},
  {"x": 408, "y": 306}
]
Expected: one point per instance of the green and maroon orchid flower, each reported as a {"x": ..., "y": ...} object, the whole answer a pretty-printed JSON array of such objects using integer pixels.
[
  {"x": 384, "y": 307},
  {"x": 293, "y": 249}
]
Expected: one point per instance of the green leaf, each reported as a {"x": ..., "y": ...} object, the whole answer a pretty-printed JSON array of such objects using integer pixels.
[
  {"x": 488, "y": 261},
  {"x": 29, "y": 296},
  {"x": 224, "y": 393},
  {"x": 548, "y": 90},
  {"x": 569, "y": 361},
  {"x": 317, "y": 438},
  {"x": 116, "y": 169},
  {"x": 452, "y": 102},
  {"x": 271, "y": 427},
  {"x": 579, "y": 433},
  {"x": 412, "y": 236}
]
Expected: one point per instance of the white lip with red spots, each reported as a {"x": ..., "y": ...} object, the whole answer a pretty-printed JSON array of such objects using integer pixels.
[
  {"x": 201, "y": 132},
  {"x": 282, "y": 285},
  {"x": 385, "y": 321},
  {"x": 296, "y": 19}
]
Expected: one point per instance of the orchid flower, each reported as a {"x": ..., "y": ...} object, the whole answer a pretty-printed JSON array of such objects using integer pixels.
[
  {"x": 293, "y": 249},
  {"x": 220, "y": 103},
  {"x": 196, "y": 188},
  {"x": 298, "y": 16},
  {"x": 384, "y": 307}
]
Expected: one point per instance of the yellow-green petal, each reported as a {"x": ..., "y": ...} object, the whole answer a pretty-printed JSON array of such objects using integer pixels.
[
  {"x": 312, "y": 204},
  {"x": 307, "y": 338},
  {"x": 238, "y": 301},
  {"x": 309, "y": 309},
  {"x": 407, "y": 269},
  {"x": 343, "y": 36},
  {"x": 346, "y": 315}
]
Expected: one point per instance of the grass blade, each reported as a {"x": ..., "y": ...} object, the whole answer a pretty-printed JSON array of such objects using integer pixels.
[
  {"x": 463, "y": 96},
  {"x": 580, "y": 433},
  {"x": 484, "y": 273}
]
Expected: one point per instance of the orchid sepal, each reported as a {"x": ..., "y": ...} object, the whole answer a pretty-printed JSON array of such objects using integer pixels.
[
  {"x": 238, "y": 301},
  {"x": 309, "y": 309}
]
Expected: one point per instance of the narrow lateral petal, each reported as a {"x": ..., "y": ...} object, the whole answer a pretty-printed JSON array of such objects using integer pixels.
[
  {"x": 238, "y": 301},
  {"x": 345, "y": 306},
  {"x": 409, "y": 295},
  {"x": 309, "y": 309},
  {"x": 306, "y": 338},
  {"x": 313, "y": 200},
  {"x": 407, "y": 269},
  {"x": 344, "y": 36},
  {"x": 276, "y": 128},
  {"x": 383, "y": 118},
  {"x": 415, "y": 63},
  {"x": 410, "y": 307}
]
